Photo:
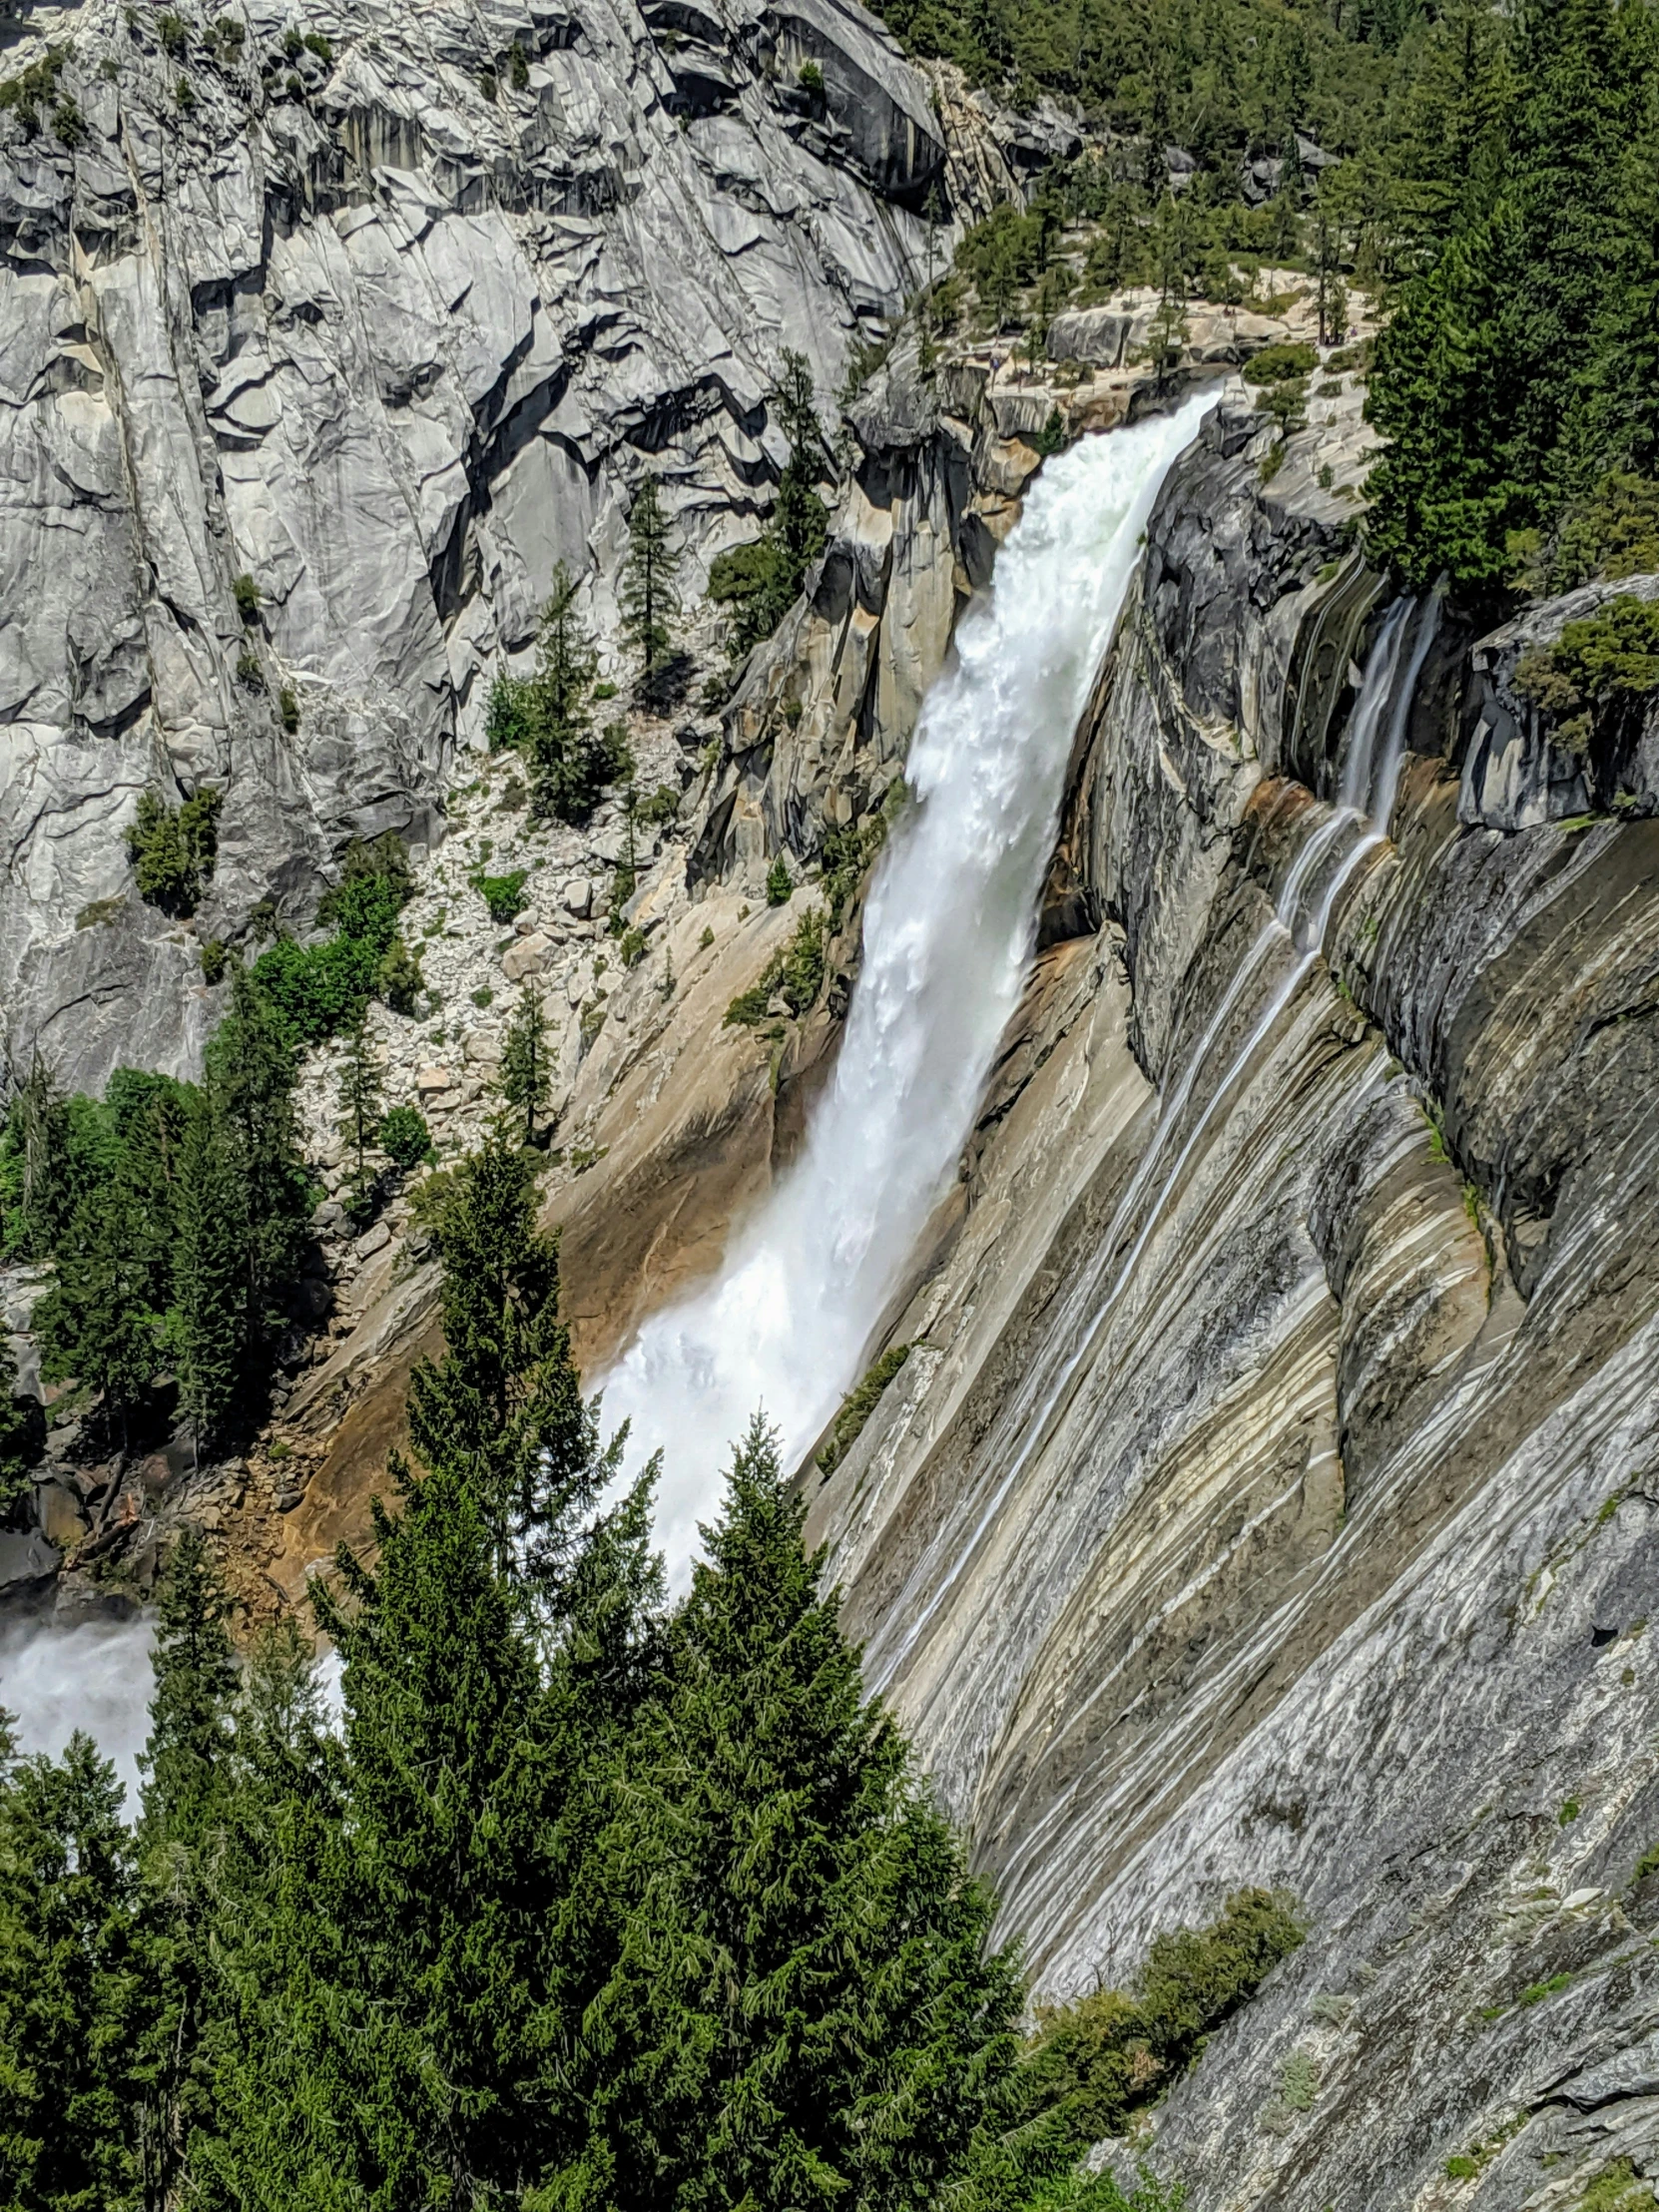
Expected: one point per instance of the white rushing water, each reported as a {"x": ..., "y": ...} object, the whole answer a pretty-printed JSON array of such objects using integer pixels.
[
  {"x": 1373, "y": 758},
  {"x": 948, "y": 934},
  {"x": 94, "y": 1677},
  {"x": 949, "y": 931}
]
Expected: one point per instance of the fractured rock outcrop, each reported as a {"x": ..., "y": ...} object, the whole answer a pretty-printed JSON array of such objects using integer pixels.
[{"x": 386, "y": 312}]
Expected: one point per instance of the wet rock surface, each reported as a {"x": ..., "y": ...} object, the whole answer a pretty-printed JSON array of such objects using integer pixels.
[{"x": 1269, "y": 1494}]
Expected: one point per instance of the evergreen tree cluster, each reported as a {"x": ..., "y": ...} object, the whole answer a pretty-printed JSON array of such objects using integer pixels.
[
  {"x": 1517, "y": 380},
  {"x": 1219, "y": 78},
  {"x": 761, "y": 581},
  {"x": 548, "y": 716},
  {"x": 596, "y": 1902},
  {"x": 174, "y": 1215},
  {"x": 174, "y": 848},
  {"x": 321, "y": 989}
]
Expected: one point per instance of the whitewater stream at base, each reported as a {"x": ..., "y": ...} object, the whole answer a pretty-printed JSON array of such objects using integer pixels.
[{"x": 949, "y": 930}]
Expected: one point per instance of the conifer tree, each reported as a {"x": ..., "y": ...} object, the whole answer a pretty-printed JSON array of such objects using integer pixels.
[
  {"x": 358, "y": 1097},
  {"x": 252, "y": 1070},
  {"x": 800, "y": 521},
  {"x": 548, "y": 716},
  {"x": 646, "y": 593},
  {"x": 761, "y": 581},
  {"x": 802, "y": 2009},
  {"x": 208, "y": 1318},
  {"x": 1485, "y": 375},
  {"x": 69, "y": 1990},
  {"x": 186, "y": 1803},
  {"x": 98, "y": 1324},
  {"x": 408, "y": 1990},
  {"x": 504, "y": 1408},
  {"x": 243, "y": 1207},
  {"x": 525, "y": 1075},
  {"x": 196, "y": 1683},
  {"x": 22, "y": 1436}
]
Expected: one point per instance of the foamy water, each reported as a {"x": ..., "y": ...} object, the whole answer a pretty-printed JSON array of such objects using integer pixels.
[{"x": 949, "y": 933}]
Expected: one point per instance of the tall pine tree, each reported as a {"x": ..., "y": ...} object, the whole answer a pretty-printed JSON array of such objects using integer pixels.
[
  {"x": 647, "y": 596},
  {"x": 803, "y": 2012},
  {"x": 186, "y": 1809},
  {"x": 69, "y": 1986},
  {"x": 503, "y": 1410}
]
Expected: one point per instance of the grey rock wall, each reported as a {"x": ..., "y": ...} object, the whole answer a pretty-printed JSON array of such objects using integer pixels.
[
  {"x": 390, "y": 333},
  {"x": 1271, "y": 1493}
]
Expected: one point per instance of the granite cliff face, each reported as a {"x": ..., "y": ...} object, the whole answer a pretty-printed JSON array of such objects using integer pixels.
[
  {"x": 1269, "y": 1493},
  {"x": 388, "y": 323}
]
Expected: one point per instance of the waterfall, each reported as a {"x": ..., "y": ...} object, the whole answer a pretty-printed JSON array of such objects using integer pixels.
[
  {"x": 1374, "y": 755},
  {"x": 95, "y": 1676},
  {"x": 949, "y": 928}
]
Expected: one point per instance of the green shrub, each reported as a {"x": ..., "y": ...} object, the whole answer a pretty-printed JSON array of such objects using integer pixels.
[
  {"x": 1298, "y": 2081},
  {"x": 1287, "y": 403},
  {"x": 1647, "y": 1864},
  {"x": 518, "y": 67},
  {"x": 288, "y": 708},
  {"x": 845, "y": 857},
  {"x": 404, "y": 1137},
  {"x": 796, "y": 976},
  {"x": 1538, "y": 1992},
  {"x": 24, "y": 94},
  {"x": 172, "y": 31},
  {"x": 375, "y": 884},
  {"x": 662, "y": 806},
  {"x": 631, "y": 950},
  {"x": 318, "y": 988},
  {"x": 174, "y": 848},
  {"x": 1052, "y": 437},
  {"x": 248, "y": 671},
  {"x": 504, "y": 896},
  {"x": 858, "y": 1406},
  {"x": 314, "y": 43},
  {"x": 811, "y": 80},
  {"x": 1355, "y": 360},
  {"x": 780, "y": 882},
  {"x": 214, "y": 959},
  {"x": 292, "y": 44},
  {"x": 184, "y": 94},
  {"x": 1092, "y": 2067},
  {"x": 1278, "y": 364},
  {"x": 483, "y": 997},
  {"x": 1616, "y": 2189},
  {"x": 1596, "y": 669},
  {"x": 749, "y": 1010},
  {"x": 801, "y": 973},
  {"x": 398, "y": 978},
  {"x": 246, "y": 596}
]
